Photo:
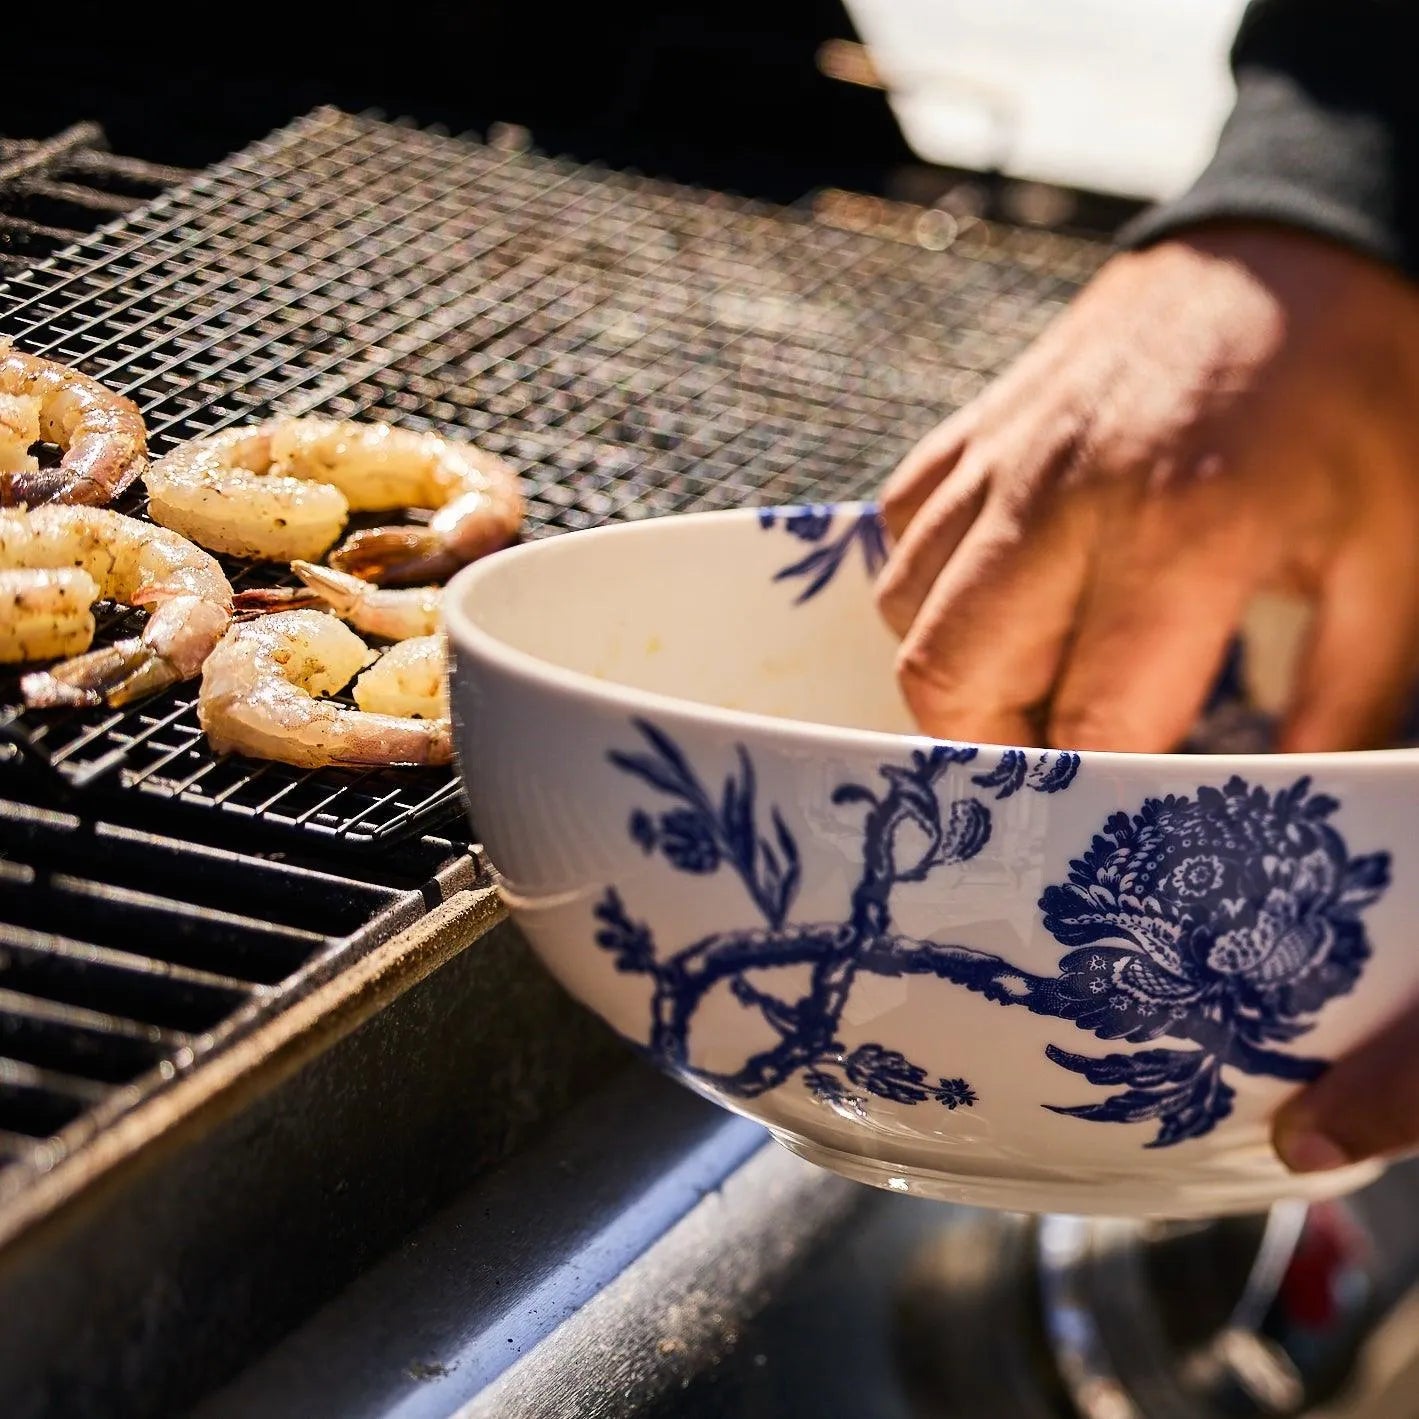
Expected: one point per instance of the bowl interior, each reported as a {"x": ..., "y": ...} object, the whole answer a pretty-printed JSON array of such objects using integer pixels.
[
  {"x": 765, "y": 613},
  {"x": 770, "y": 612}
]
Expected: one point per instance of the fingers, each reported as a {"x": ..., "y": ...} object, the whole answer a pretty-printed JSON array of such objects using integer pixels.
[
  {"x": 921, "y": 472},
  {"x": 1152, "y": 635},
  {"x": 1366, "y": 1106},
  {"x": 927, "y": 545},
  {"x": 1357, "y": 669},
  {"x": 984, "y": 650}
]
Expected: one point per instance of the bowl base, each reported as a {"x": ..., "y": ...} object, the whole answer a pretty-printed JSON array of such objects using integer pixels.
[{"x": 1125, "y": 1197}]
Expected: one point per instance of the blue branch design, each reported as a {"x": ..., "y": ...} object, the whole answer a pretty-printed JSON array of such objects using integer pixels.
[
  {"x": 815, "y": 525},
  {"x": 1225, "y": 921}
]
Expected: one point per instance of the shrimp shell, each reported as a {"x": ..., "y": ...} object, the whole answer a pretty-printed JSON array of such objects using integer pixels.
[
  {"x": 259, "y": 697},
  {"x": 409, "y": 679},
  {"x": 101, "y": 434},
  {"x": 125, "y": 560},
  {"x": 390, "y": 613},
  {"x": 282, "y": 491}
]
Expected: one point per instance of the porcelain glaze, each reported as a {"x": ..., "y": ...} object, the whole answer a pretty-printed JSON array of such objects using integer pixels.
[{"x": 995, "y": 974}]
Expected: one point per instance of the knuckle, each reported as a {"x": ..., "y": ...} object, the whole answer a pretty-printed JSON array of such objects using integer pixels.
[
  {"x": 896, "y": 500},
  {"x": 893, "y": 600},
  {"x": 923, "y": 678}
]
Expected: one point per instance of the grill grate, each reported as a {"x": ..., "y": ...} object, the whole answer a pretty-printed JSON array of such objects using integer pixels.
[
  {"x": 53, "y": 192},
  {"x": 632, "y": 347},
  {"x": 128, "y": 958}
]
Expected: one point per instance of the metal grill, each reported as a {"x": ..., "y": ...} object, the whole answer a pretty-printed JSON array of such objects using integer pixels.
[
  {"x": 54, "y": 191},
  {"x": 632, "y": 347},
  {"x": 127, "y": 958}
]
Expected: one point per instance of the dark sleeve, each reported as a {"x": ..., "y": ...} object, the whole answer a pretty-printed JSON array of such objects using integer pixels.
[{"x": 1325, "y": 131}]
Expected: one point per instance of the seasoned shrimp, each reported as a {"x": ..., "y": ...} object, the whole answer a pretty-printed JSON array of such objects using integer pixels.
[
  {"x": 409, "y": 679},
  {"x": 101, "y": 435},
  {"x": 19, "y": 431},
  {"x": 260, "y": 690},
  {"x": 282, "y": 491},
  {"x": 46, "y": 612},
  {"x": 56, "y": 561},
  {"x": 390, "y": 613}
]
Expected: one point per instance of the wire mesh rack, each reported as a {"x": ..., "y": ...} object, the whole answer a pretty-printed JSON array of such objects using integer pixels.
[{"x": 632, "y": 347}]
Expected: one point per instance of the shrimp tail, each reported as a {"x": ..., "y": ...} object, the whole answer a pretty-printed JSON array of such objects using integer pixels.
[
  {"x": 75, "y": 483},
  {"x": 118, "y": 673},
  {"x": 32, "y": 487},
  {"x": 336, "y": 589},
  {"x": 396, "y": 556},
  {"x": 267, "y": 600}
]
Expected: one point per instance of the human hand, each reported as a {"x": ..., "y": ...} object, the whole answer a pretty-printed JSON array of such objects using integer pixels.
[
  {"x": 1365, "y": 1106},
  {"x": 1230, "y": 410}
]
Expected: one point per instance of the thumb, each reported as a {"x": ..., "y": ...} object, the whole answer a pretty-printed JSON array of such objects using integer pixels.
[{"x": 1365, "y": 1106}]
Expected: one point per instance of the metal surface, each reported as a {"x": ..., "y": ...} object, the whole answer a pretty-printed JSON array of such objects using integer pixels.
[
  {"x": 1297, "y": 1312},
  {"x": 517, "y": 1301},
  {"x": 55, "y": 190},
  {"x": 181, "y": 931},
  {"x": 129, "y": 959},
  {"x": 220, "y": 1214},
  {"x": 633, "y": 348}
]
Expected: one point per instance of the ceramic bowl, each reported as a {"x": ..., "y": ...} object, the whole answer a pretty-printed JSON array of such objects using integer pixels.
[{"x": 1004, "y": 976}]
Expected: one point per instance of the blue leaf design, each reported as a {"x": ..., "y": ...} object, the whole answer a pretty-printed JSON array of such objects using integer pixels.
[
  {"x": 1008, "y": 775},
  {"x": 1054, "y": 774},
  {"x": 629, "y": 941},
  {"x": 815, "y": 524},
  {"x": 846, "y": 793},
  {"x": 1183, "y": 920},
  {"x": 967, "y": 830}
]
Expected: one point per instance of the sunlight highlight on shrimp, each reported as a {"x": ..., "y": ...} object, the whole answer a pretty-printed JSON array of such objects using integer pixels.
[
  {"x": 261, "y": 692},
  {"x": 56, "y": 561},
  {"x": 100, "y": 434},
  {"x": 283, "y": 491}
]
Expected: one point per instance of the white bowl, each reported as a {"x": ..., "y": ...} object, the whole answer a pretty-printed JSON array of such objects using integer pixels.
[{"x": 1009, "y": 977}]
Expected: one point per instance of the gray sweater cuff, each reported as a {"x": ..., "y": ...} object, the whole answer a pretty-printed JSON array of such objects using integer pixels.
[{"x": 1324, "y": 136}]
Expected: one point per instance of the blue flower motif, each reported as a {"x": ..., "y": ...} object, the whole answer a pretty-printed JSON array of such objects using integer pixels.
[
  {"x": 1238, "y": 908},
  {"x": 688, "y": 841},
  {"x": 955, "y": 1094},
  {"x": 1228, "y": 920},
  {"x": 1222, "y": 922}
]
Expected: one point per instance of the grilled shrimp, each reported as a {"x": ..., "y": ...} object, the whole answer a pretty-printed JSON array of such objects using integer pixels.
[
  {"x": 56, "y": 561},
  {"x": 409, "y": 679},
  {"x": 390, "y": 613},
  {"x": 283, "y": 490},
  {"x": 104, "y": 444},
  {"x": 19, "y": 431},
  {"x": 46, "y": 612},
  {"x": 260, "y": 690}
]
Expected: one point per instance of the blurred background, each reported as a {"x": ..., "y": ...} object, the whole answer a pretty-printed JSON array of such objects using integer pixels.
[{"x": 1114, "y": 97}]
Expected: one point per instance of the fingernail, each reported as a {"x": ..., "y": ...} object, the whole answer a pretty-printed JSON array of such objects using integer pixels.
[{"x": 1309, "y": 1151}]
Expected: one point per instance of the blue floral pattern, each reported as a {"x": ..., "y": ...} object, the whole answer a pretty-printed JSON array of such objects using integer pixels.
[
  {"x": 816, "y": 525},
  {"x": 1223, "y": 922}
]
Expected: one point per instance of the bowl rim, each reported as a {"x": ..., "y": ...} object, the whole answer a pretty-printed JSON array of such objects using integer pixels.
[{"x": 470, "y": 637}]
